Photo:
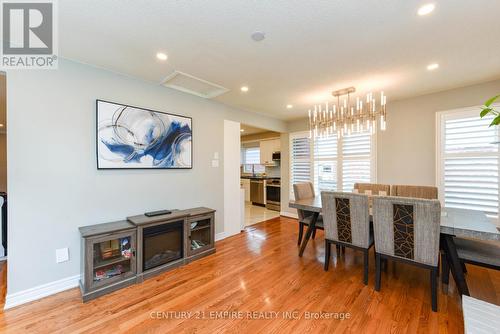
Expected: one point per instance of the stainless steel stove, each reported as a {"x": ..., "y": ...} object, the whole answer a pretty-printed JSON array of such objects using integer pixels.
[{"x": 273, "y": 194}]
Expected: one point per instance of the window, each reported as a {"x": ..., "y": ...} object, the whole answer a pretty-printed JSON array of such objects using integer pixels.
[
  {"x": 325, "y": 163},
  {"x": 300, "y": 158},
  {"x": 356, "y": 160},
  {"x": 251, "y": 155},
  {"x": 331, "y": 163},
  {"x": 468, "y": 157}
]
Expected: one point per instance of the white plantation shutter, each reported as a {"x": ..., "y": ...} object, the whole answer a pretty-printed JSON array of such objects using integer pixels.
[
  {"x": 300, "y": 159},
  {"x": 469, "y": 174},
  {"x": 331, "y": 163},
  {"x": 356, "y": 159},
  {"x": 325, "y": 163}
]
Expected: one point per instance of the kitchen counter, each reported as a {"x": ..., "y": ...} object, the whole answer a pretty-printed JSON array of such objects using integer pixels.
[{"x": 259, "y": 177}]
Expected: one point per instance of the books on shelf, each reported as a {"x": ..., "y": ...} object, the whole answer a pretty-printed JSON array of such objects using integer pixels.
[
  {"x": 195, "y": 244},
  {"x": 101, "y": 274}
]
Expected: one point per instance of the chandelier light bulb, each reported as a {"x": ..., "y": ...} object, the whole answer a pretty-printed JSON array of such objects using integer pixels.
[{"x": 343, "y": 118}]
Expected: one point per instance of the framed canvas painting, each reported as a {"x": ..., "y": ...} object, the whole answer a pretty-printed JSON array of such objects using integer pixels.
[{"x": 137, "y": 138}]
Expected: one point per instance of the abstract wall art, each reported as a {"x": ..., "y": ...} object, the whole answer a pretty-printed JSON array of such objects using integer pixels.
[{"x": 134, "y": 138}]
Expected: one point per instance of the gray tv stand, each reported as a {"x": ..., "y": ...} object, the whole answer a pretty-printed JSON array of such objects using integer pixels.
[{"x": 118, "y": 254}]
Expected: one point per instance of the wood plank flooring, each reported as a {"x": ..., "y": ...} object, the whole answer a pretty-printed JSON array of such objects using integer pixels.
[{"x": 259, "y": 271}]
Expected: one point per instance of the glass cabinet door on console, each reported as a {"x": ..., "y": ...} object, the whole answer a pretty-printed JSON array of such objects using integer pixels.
[
  {"x": 200, "y": 235},
  {"x": 110, "y": 258}
]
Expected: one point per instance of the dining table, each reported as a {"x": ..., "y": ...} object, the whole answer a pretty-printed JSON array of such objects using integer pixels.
[{"x": 455, "y": 222}]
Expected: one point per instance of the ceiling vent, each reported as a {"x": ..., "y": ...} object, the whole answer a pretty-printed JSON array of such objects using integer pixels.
[{"x": 192, "y": 85}]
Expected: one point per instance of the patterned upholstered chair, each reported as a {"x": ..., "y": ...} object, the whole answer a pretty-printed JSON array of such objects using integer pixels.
[
  {"x": 346, "y": 220},
  {"x": 305, "y": 190},
  {"x": 427, "y": 192},
  {"x": 408, "y": 230},
  {"x": 374, "y": 188}
]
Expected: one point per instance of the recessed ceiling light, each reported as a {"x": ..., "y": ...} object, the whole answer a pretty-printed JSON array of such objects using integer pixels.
[
  {"x": 433, "y": 67},
  {"x": 244, "y": 89},
  {"x": 242, "y": 130},
  {"x": 1, "y": 125},
  {"x": 426, "y": 9},
  {"x": 161, "y": 56},
  {"x": 258, "y": 36},
  {"x": 289, "y": 106}
]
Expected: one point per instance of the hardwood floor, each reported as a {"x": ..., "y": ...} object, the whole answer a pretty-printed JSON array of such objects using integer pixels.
[{"x": 259, "y": 271}]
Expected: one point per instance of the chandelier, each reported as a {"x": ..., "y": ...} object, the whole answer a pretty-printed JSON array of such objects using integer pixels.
[{"x": 341, "y": 118}]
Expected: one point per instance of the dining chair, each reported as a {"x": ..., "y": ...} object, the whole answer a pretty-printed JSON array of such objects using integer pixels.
[
  {"x": 477, "y": 252},
  {"x": 373, "y": 188},
  {"x": 426, "y": 192},
  {"x": 346, "y": 220},
  {"x": 407, "y": 230},
  {"x": 304, "y": 190}
]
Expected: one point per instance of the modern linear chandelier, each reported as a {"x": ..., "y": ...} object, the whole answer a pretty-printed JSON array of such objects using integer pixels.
[{"x": 343, "y": 119}]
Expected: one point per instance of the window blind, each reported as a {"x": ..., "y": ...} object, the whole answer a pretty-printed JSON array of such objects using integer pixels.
[
  {"x": 356, "y": 159},
  {"x": 331, "y": 163},
  {"x": 469, "y": 163},
  {"x": 325, "y": 163},
  {"x": 300, "y": 160}
]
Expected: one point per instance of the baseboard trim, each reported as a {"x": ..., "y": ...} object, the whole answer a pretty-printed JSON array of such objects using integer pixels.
[
  {"x": 289, "y": 214},
  {"x": 44, "y": 290},
  {"x": 220, "y": 236},
  {"x": 38, "y": 292}
]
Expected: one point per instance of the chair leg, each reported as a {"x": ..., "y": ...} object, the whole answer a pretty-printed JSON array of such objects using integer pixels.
[
  {"x": 314, "y": 234},
  {"x": 434, "y": 288},
  {"x": 328, "y": 249},
  {"x": 377, "y": 272},
  {"x": 337, "y": 247},
  {"x": 365, "y": 273},
  {"x": 445, "y": 269},
  {"x": 343, "y": 249},
  {"x": 439, "y": 263},
  {"x": 301, "y": 233}
]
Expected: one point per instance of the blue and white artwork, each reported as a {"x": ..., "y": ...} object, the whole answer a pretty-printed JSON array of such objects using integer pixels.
[{"x": 131, "y": 137}]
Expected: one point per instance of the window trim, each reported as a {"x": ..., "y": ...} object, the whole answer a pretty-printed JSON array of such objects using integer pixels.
[
  {"x": 439, "y": 141},
  {"x": 301, "y": 134}
]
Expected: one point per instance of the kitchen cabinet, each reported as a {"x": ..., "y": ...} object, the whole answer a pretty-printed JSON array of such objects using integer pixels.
[
  {"x": 258, "y": 192},
  {"x": 245, "y": 184},
  {"x": 267, "y": 147}
]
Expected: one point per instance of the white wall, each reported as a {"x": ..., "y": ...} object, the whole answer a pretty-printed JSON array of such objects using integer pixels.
[
  {"x": 285, "y": 176},
  {"x": 53, "y": 184},
  {"x": 406, "y": 150},
  {"x": 232, "y": 205}
]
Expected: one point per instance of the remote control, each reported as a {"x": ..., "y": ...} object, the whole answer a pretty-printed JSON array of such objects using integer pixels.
[{"x": 157, "y": 213}]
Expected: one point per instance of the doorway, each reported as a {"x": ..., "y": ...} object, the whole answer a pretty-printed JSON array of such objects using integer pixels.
[
  {"x": 3, "y": 165},
  {"x": 260, "y": 174}
]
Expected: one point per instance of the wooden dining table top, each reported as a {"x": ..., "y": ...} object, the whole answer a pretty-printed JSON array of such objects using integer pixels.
[{"x": 458, "y": 222}]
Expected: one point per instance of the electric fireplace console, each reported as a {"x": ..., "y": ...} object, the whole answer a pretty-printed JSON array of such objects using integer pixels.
[{"x": 118, "y": 254}]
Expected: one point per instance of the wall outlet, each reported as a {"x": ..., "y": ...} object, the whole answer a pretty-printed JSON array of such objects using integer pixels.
[
  {"x": 215, "y": 163},
  {"x": 216, "y": 155},
  {"x": 62, "y": 255}
]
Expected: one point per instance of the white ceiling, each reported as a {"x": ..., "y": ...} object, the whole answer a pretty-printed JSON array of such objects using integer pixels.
[
  {"x": 250, "y": 130},
  {"x": 311, "y": 47}
]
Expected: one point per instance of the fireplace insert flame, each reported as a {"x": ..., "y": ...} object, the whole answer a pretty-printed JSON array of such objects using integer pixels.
[{"x": 162, "y": 244}]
